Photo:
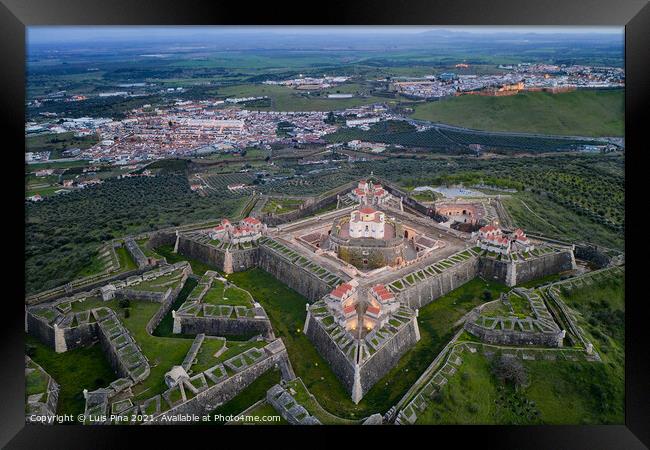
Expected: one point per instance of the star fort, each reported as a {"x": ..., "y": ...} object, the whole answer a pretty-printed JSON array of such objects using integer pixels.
[{"x": 367, "y": 256}]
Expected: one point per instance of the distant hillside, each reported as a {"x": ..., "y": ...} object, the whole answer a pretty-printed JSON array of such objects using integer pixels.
[{"x": 577, "y": 113}]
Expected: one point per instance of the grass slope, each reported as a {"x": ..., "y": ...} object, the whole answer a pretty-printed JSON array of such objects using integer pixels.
[
  {"x": 74, "y": 370},
  {"x": 578, "y": 113},
  {"x": 562, "y": 392}
]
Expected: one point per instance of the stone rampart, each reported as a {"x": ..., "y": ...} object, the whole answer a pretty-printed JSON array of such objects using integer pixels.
[
  {"x": 221, "y": 326},
  {"x": 383, "y": 360},
  {"x": 513, "y": 337},
  {"x": 205, "y": 253},
  {"x": 424, "y": 292},
  {"x": 298, "y": 279},
  {"x": 593, "y": 254},
  {"x": 342, "y": 367},
  {"x": 218, "y": 394},
  {"x": 161, "y": 238},
  {"x": 544, "y": 265}
]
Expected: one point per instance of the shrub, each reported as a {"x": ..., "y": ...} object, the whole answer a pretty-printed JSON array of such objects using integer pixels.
[
  {"x": 124, "y": 303},
  {"x": 509, "y": 370}
]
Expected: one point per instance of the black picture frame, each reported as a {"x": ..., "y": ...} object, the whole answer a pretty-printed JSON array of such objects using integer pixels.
[{"x": 15, "y": 15}]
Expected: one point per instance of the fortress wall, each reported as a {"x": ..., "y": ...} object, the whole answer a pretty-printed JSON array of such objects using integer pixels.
[
  {"x": 207, "y": 254},
  {"x": 424, "y": 292},
  {"x": 308, "y": 209},
  {"x": 340, "y": 365},
  {"x": 80, "y": 336},
  {"x": 293, "y": 276},
  {"x": 593, "y": 254},
  {"x": 40, "y": 329},
  {"x": 493, "y": 270},
  {"x": 95, "y": 285},
  {"x": 73, "y": 337},
  {"x": 219, "y": 326},
  {"x": 111, "y": 354},
  {"x": 376, "y": 256},
  {"x": 507, "y": 337},
  {"x": 543, "y": 266},
  {"x": 167, "y": 301},
  {"x": 132, "y": 294},
  {"x": 160, "y": 238},
  {"x": 244, "y": 259},
  {"x": 218, "y": 394},
  {"x": 380, "y": 363}
]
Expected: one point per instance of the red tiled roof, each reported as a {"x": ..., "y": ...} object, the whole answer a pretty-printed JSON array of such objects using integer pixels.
[
  {"x": 367, "y": 210},
  {"x": 251, "y": 220},
  {"x": 488, "y": 228},
  {"x": 382, "y": 292},
  {"x": 373, "y": 310},
  {"x": 341, "y": 290},
  {"x": 348, "y": 309}
]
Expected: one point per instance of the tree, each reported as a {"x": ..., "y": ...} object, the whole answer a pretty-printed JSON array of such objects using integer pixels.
[
  {"x": 510, "y": 370},
  {"x": 487, "y": 295}
]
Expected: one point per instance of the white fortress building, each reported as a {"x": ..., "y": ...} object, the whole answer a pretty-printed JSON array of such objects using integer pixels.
[
  {"x": 248, "y": 230},
  {"x": 367, "y": 222},
  {"x": 368, "y": 193},
  {"x": 493, "y": 239}
]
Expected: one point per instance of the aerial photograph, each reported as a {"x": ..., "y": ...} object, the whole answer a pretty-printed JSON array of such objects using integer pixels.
[{"x": 324, "y": 225}]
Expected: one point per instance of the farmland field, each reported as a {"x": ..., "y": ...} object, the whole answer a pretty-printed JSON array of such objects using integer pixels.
[{"x": 578, "y": 113}]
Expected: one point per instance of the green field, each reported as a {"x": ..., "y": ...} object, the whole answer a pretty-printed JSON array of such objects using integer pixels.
[
  {"x": 578, "y": 113},
  {"x": 551, "y": 219},
  {"x": 287, "y": 99},
  {"x": 281, "y": 205},
  {"x": 74, "y": 370},
  {"x": 57, "y": 143},
  {"x": 253, "y": 393},
  {"x": 561, "y": 392}
]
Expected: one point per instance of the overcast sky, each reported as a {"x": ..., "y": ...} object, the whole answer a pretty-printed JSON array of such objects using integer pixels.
[{"x": 42, "y": 34}]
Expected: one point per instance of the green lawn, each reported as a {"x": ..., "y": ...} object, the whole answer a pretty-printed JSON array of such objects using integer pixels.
[
  {"x": 253, "y": 393},
  {"x": 279, "y": 206},
  {"x": 198, "y": 268},
  {"x": 166, "y": 325},
  {"x": 578, "y": 113},
  {"x": 231, "y": 296},
  {"x": 563, "y": 392},
  {"x": 125, "y": 259},
  {"x": 287, "y": 99},
  {"x": 265, "y": 410},
  {"x": 558, "y": 221},
  {"x": 74, "y": 370},
  {"x": 162, "y": 352},
  {"x": 559, "y": 392},
  {"x": 36, "y": 382}
]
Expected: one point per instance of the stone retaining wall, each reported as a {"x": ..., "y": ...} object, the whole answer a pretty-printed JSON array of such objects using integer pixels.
[
  {"x": 381, "y": 362},
  {"x": 511, "y": 337},
  {"x": 424, "y": 292},
  {"x": 220, "y": 326},
  {"x": 543, "y": 266},
  {"x": 214, "y": 396},
  {"x": 301, "y": 281},
  {"x": 343, "y": 368}
]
